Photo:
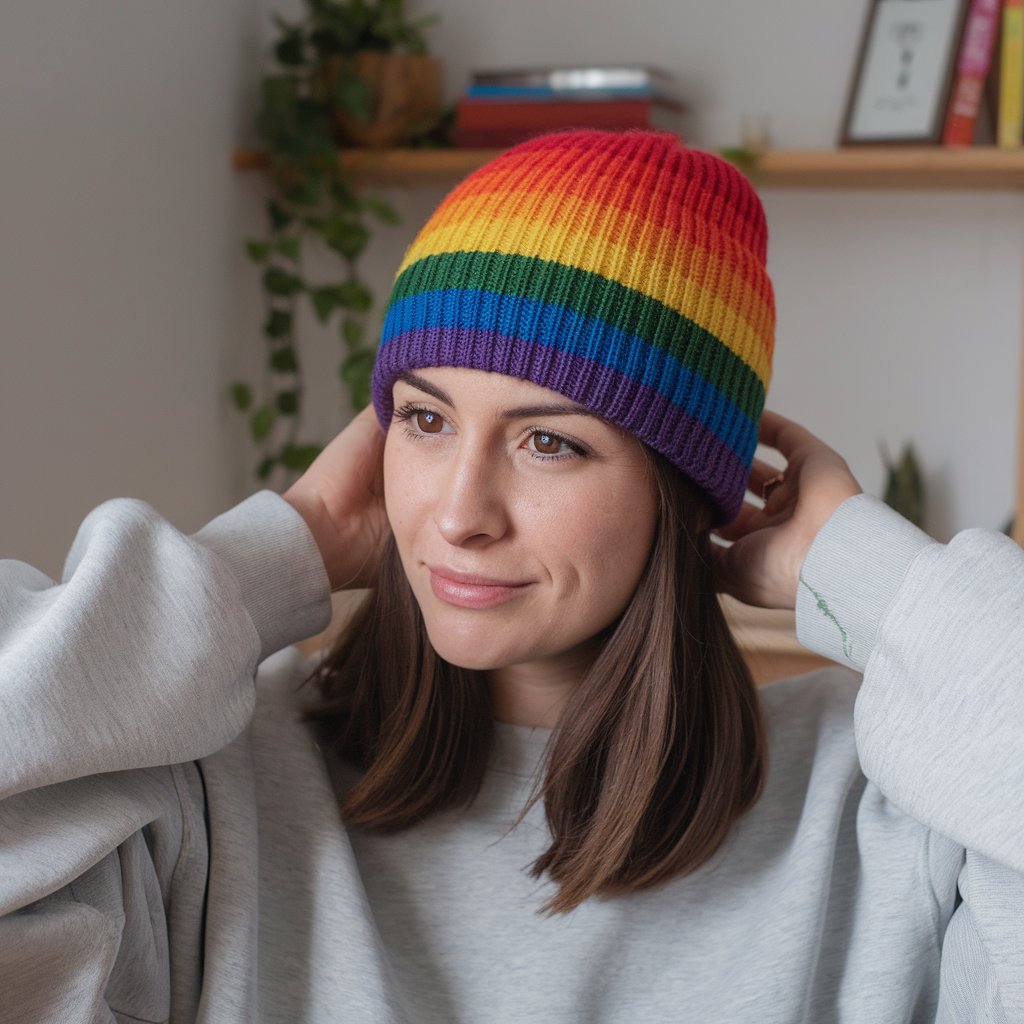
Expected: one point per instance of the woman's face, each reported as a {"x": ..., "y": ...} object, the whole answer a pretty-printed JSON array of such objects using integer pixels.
[{"x": 523, "y": 522}]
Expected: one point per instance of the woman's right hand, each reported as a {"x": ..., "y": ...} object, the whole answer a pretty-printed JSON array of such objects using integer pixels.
[{"x": 341, "y": 498}]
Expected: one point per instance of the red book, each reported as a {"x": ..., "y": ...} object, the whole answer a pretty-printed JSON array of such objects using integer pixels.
[
  {"x": 972, "y": 70},
  {"x": 485, "y": 123}
]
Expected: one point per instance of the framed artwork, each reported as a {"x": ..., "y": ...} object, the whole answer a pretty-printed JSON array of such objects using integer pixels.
[{"x": 904, "y": 72}]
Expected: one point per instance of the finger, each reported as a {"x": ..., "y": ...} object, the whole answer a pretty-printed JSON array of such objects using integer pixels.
[
  {"x": 760, "y": 473},
  {"x": 784, "y": 435},
  {"x": 730, "y": 576},
  {"x": 750, "y": 518}
]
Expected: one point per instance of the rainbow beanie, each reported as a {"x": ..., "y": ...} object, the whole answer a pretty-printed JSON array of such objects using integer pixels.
[{"x": 622, "y": 270}]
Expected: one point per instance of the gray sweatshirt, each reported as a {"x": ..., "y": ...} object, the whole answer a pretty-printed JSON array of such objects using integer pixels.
[{"x": 170, "y": 847}]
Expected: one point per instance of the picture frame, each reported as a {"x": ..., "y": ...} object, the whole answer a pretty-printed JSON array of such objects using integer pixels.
[{"x": 904, "y": 72}]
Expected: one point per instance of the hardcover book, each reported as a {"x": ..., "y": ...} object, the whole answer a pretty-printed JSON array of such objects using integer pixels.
[
  {"x": 1011, "y": 76},
  {"x": 974, "y": 64},
  {"x": 496, "y": 123},
  {"x": 562, "y": 79}
]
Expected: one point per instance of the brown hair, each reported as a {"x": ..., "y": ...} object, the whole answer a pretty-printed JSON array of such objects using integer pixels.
[{"x": 659, "y": 750}]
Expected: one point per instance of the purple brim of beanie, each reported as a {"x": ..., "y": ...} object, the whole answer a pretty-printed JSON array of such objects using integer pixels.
[{"x": 642, "y": 411}]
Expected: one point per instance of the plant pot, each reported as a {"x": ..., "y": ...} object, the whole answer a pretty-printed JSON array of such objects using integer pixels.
[{"x": 406, "y": 98}]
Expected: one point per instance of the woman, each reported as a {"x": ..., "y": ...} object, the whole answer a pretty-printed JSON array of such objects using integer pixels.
[{"x": 570, "y": 381}]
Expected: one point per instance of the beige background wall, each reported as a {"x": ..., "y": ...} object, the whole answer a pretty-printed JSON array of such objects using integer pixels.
[{"x": 127, "y": 304}]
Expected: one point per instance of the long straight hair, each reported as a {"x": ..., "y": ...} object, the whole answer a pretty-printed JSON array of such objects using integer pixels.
[{"x": 660, "y": 748}]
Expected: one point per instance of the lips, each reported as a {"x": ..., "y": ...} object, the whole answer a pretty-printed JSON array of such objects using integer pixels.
[{"x": 471, "y": 590}]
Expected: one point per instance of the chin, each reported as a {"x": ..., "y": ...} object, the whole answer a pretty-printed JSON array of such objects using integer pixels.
[
  {"x": 482, "y": 646},
  {"x": 463, "y": 653}
]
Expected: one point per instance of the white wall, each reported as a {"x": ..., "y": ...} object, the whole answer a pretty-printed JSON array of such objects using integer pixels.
[
  {"x": 127, "y": 305},
  {"x": 119, "y": 214}
]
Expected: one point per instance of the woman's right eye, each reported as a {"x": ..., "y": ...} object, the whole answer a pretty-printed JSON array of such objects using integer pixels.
[
  {"x": 420, "y": 420},
  {"x": 429, "y": 422}
]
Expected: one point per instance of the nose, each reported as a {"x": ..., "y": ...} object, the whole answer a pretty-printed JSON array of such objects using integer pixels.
[{"x": 472, "y": 500}]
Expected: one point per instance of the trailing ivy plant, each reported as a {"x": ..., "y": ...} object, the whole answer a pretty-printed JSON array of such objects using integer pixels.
[{"x": 314, "y": 201}]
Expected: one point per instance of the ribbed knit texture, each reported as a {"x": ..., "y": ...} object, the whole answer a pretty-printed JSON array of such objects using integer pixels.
[{"x": 622, "y": 270}]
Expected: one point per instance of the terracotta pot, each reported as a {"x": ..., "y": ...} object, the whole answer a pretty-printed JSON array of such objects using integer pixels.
[{"x": 406, "y": 91}]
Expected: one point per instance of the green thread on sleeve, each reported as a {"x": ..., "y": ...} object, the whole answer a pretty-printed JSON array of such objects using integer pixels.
[{"x": 827, "y": 612}]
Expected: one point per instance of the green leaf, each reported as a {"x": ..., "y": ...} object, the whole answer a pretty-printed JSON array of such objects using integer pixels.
[
  {"x": 291, "y": 50},
  {"x": 355, "y": 295},
  {"x": 325, "y": 302},
  {"x": 280, "y": 218},
  {"x": 745, "y": 159},
  {"x": 299, "y": 457},
  {"x": 905, "y": 491},
  {"x": 280, "y": 92},
  {"x": 343, "y": 196},
  {"x": 278, "y": 281},
  {"x": 283, "y": 360},
  {"x": 306, "y": 193},
  {"x": 279, "y": 324},
  {"x": 354, "y": 94},
  {"x": 290, "y": 246},
  {"x": 262, "y": 422},
  {"x": 288, "y": 403},
  {"x": 356, "y": 367},
  {"x": 383, "y": 211},
  {"x": 328, "y": 42},
  {"x": 266, "y": 467},
  {"x": 258, "y": 251},
  {"x": 352, "y": 333},
  {"x": 241, "y": 395},
  {"x": 346, "y": 237},
  {"x": 359, "y": 392}
]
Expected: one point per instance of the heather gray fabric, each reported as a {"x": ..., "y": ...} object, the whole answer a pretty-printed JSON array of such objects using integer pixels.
[{"x": 170, "y": 847}]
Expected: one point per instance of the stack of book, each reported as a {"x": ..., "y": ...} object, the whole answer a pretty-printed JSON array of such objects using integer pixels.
[
  {"x": 502, "y": 108},
  {"x": 987, "y": 99}
]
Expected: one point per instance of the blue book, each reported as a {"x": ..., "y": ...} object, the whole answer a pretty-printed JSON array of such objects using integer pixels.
[
  {"x": 547, "y": 92},
  {"x": 616, "y": 80}
]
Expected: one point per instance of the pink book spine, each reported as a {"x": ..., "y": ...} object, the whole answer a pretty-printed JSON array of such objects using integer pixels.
[{"x": 973, "y": 64}]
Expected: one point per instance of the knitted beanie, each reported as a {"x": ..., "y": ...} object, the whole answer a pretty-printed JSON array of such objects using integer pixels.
[{"x": 620, "y": 269}]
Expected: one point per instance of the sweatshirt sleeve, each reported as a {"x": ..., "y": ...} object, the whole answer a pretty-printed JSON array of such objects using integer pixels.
[
  {"x": 938, "y": 631},
  {"x": 145, "y": 653}
]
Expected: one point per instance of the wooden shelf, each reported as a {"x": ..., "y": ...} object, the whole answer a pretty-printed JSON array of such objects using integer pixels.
[
  {"x": 396, "y": 166},
  {"x": 884, "y": 167},
  {"x": 922, "y": 167}
]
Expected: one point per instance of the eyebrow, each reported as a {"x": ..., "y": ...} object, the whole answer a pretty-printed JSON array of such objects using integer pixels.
[{"x": 519, "y": 412}]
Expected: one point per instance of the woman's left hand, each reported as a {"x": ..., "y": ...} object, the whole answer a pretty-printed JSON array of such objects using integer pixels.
[{"x": 762, "y": 565}]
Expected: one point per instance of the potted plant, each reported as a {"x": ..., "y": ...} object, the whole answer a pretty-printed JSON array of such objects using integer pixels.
[
  {"x": 338, "y": 79},
  {"x": 904, "y": 485}
]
